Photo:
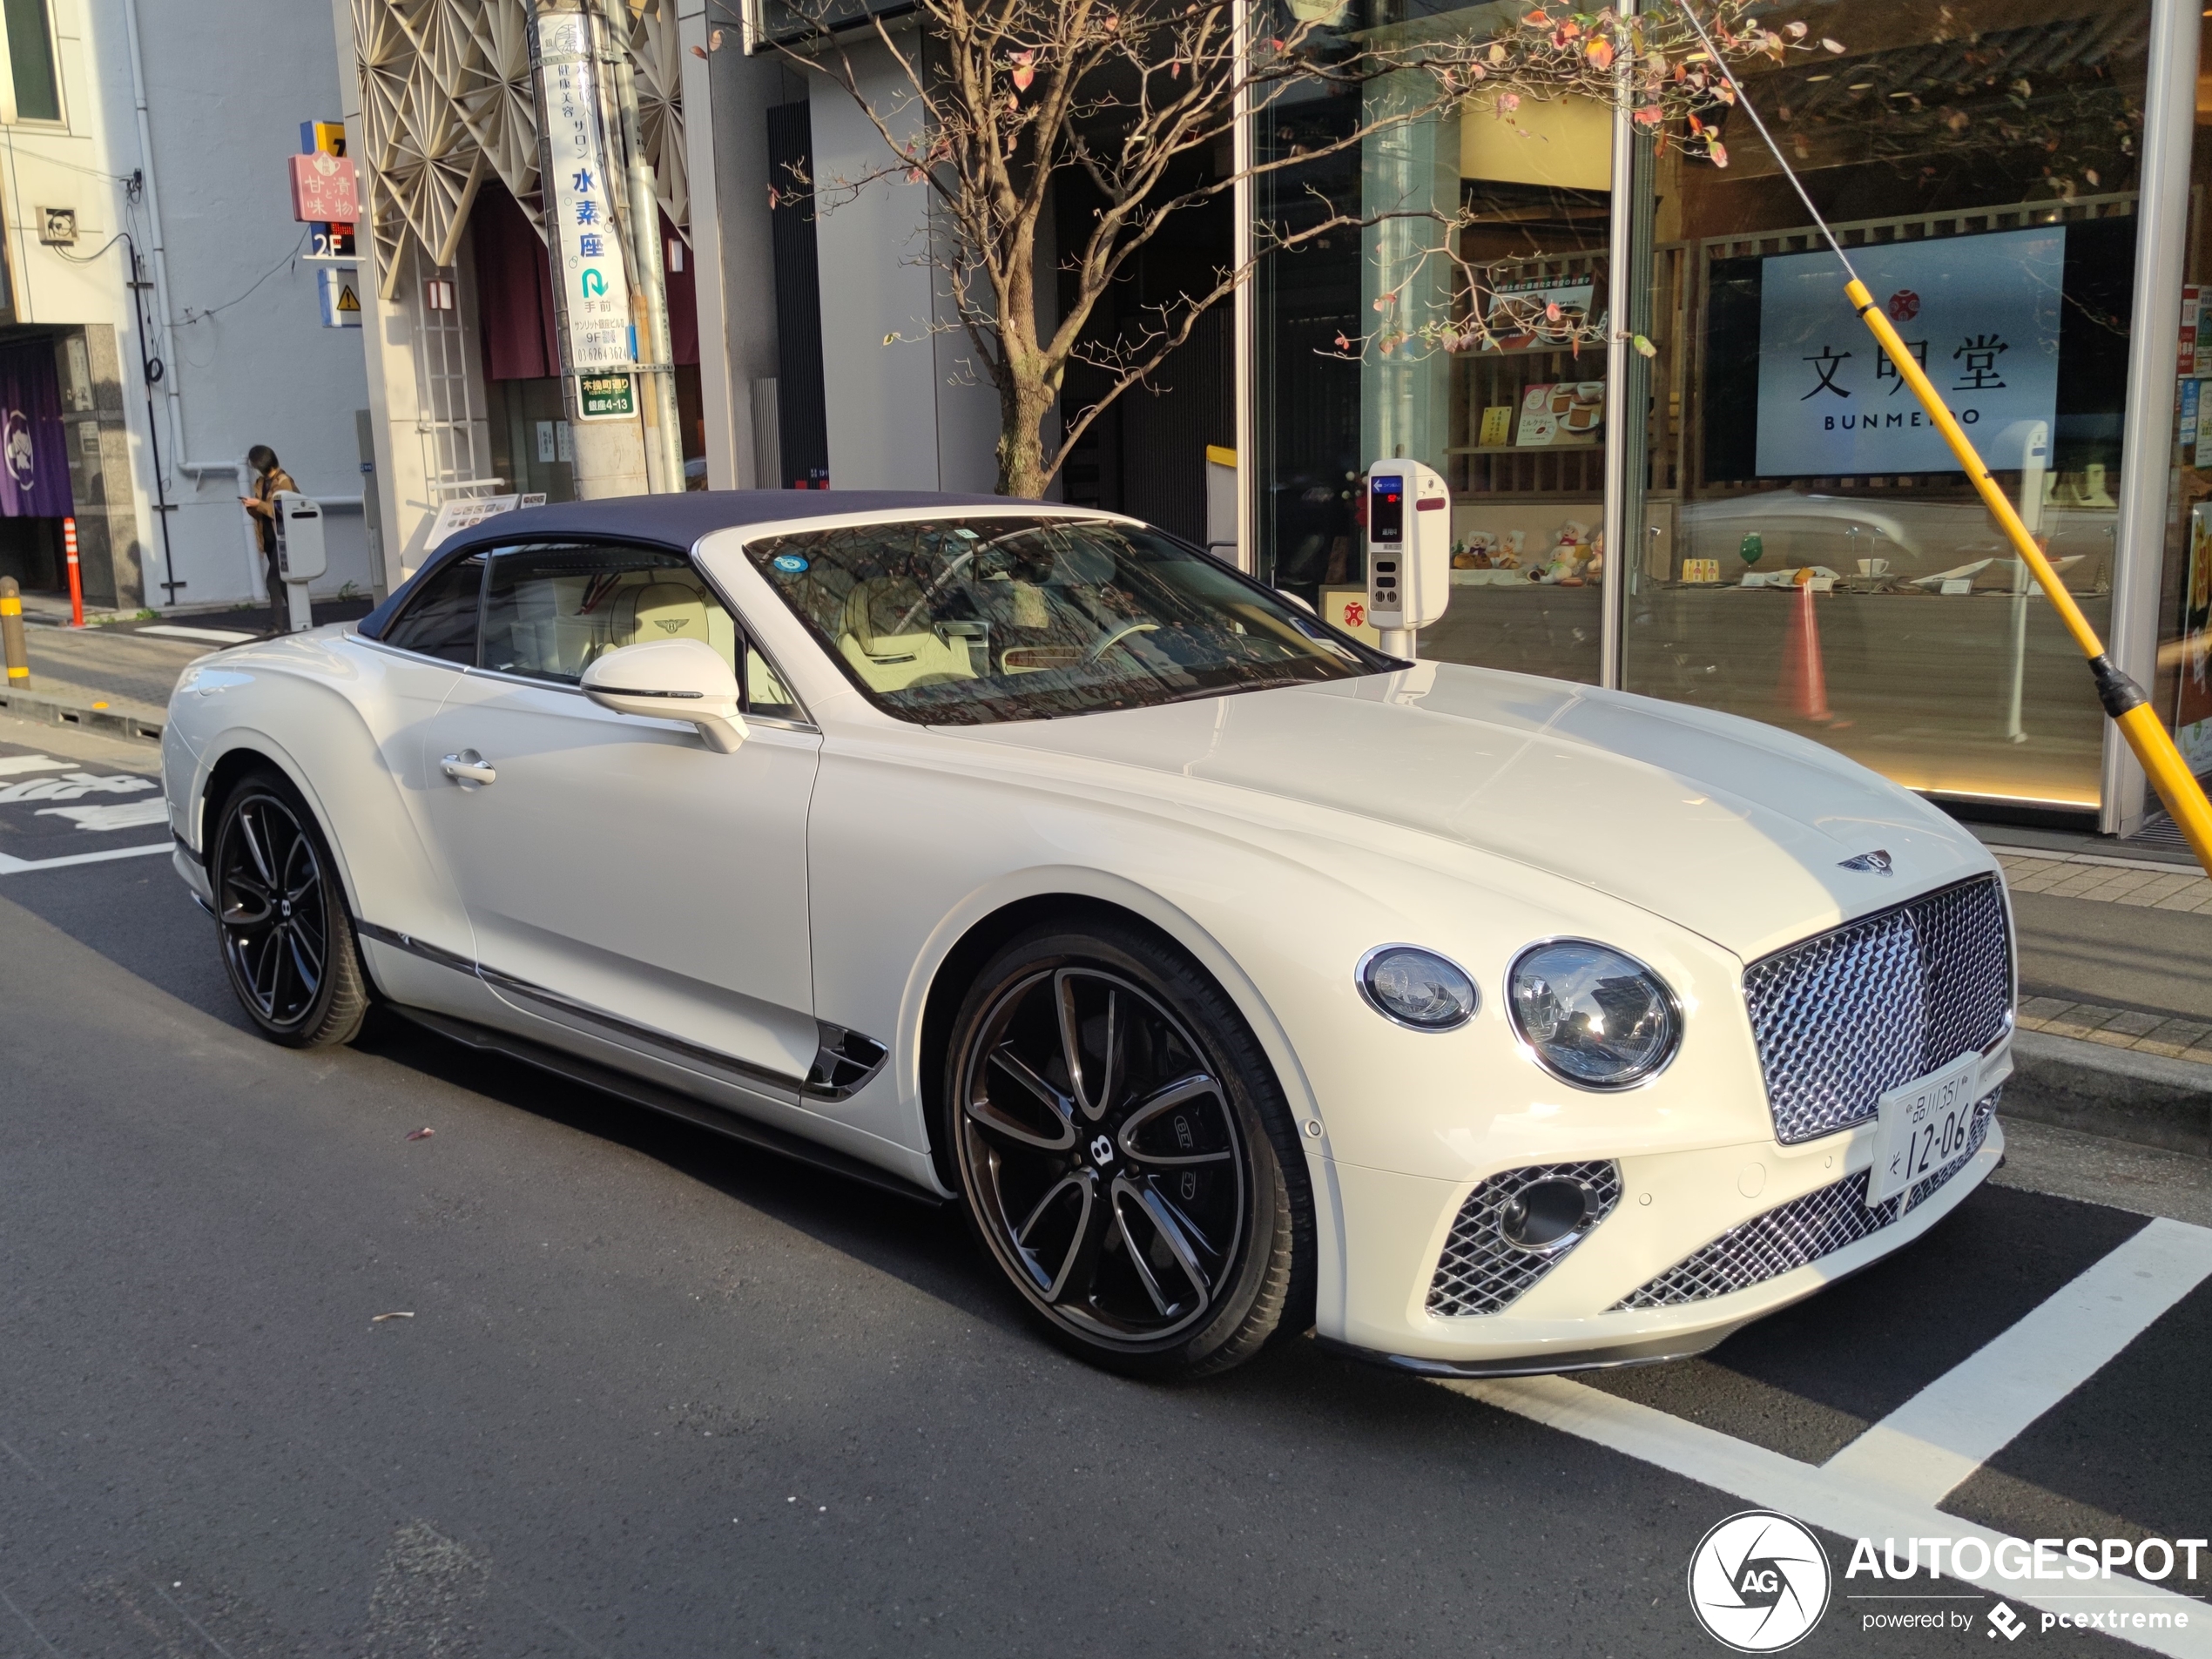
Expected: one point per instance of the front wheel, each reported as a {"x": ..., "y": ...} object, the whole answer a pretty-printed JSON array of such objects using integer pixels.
[
  {"x": 287, "y": 941},
  {"x": 1126, "y": 1155}
]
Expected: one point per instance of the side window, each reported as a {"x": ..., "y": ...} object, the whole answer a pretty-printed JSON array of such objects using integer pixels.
[
  {"x": 441, "y": 620},
  {"x": 765, "y": 691},
  {"x": 551, "y": 610}
]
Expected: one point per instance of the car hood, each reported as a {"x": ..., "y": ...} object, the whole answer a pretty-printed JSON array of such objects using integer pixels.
[{"x": 1736, "y": 830}]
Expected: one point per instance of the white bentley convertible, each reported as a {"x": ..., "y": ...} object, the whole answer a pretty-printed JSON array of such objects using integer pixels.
[{"x": 1238, "y": 980}]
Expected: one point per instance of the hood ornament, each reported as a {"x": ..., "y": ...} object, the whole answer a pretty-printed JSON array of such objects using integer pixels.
[{"x": 1877, "y": 861}]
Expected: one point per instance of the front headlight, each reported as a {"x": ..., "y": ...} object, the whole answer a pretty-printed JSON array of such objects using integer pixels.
[{"x": 1593, "y": 1016}]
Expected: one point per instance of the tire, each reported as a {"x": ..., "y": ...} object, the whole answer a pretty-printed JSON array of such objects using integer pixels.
[
  {"x": 287, "y": 938},
  {"x": 1126, "y": 1155}
]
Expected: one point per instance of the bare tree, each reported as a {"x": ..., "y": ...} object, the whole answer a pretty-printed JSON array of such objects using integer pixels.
[{"x": 995, "y": 101}]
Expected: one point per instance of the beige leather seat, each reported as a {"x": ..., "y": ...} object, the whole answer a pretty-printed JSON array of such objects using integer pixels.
[
  {"x": 658, "y": 611},
  {"x": 892, "y": 662}
]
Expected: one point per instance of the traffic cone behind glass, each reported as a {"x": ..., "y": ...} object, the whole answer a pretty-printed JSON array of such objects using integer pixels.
[{"x": 1804, "y": 688}]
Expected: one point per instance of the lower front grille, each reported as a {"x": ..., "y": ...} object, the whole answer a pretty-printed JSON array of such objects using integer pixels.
[
  {"x": 1481, "y": 1270},
  {"x": 1789, "y": 1235}
]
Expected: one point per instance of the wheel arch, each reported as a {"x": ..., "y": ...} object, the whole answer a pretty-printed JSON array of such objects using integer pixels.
[{"x": 967, "y": 939}]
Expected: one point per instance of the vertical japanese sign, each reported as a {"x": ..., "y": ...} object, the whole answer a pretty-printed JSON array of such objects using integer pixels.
[
  {"x": 596, "y": 331},
  {"x": 1980, "y": 312}
]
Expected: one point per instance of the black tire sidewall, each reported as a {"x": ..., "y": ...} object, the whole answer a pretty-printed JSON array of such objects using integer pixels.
[
  {"x": 1278, "y": 1208},
  {"x": 340, "y": 952}
]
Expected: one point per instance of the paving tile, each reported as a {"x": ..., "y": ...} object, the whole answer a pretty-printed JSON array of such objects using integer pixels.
[
  {"x": 2174, "y": 1038},
  {"x": 2131, "y": 1023},
  {"x": 2080, "y": 1021},
  {"x": 2041, "y": 1008}
]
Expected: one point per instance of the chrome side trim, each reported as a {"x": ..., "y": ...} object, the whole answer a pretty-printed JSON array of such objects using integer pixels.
[
  {"x": 845, "y": 1061},
  {"x": 638, "y": 1092},
  {"x": 744, "y": 1071}
]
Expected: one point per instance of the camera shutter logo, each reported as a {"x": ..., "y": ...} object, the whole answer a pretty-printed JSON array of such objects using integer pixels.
[{"x": 1758, "y": 1581}]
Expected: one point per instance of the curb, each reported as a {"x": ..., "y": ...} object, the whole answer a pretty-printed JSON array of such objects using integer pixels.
[
  {"x": 135, "y": 720},
  {"x": 2121, "y": 1093}
]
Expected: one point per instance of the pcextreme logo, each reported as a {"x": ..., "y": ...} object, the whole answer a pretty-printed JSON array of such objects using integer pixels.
[{"x": 1758, "y": 1581}]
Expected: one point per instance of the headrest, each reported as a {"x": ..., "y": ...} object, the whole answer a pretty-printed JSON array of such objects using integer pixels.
[{"x": 666, "y": 610}]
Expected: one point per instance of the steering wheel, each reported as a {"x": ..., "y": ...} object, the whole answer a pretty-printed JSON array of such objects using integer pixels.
[{"x": 1116, "y": 638}]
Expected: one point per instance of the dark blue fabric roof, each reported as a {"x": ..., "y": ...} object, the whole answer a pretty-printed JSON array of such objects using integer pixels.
[
  {"x": 680, "y": 519},
  {"x": 675, "y": 521}
]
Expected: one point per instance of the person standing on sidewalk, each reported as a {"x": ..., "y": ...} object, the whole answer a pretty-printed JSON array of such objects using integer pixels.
[{"x": 269, "y": 477}]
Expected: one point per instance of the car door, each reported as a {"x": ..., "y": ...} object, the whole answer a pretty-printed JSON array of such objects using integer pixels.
[{"x": 623, "y": 879}]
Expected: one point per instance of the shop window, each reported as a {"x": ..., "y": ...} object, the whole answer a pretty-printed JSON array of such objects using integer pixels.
[
  {"x": 37, "y": 80},
  {"x": 1807, "y": 552},
  {"x": 1382, "y": 344}
]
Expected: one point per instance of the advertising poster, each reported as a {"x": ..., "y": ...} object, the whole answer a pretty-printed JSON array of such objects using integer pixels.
[
  {"x": 2193, "y": 702},
  {"x": 579, "y": 214},
  {"x": 1981, "y": 313}
]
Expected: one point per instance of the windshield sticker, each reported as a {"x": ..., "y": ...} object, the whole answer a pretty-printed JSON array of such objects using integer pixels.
[{"x": 789, "y": 563}]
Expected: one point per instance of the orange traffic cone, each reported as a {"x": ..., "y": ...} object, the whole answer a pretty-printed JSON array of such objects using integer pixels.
[{"x": 1803, "y": 687}]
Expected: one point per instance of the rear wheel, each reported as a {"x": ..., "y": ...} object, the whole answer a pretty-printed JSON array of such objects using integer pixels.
[
  {"x": 1126, "y": 1155},
  {"x": 287, "y": 941}
]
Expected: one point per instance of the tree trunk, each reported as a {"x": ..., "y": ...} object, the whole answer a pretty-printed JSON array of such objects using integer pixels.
[{"x": 1023, "y": 404}]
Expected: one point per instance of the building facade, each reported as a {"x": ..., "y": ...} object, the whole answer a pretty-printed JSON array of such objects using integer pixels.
[
  {"x": 1747, "y": 516},
  {"x": 142, "y": 147}
]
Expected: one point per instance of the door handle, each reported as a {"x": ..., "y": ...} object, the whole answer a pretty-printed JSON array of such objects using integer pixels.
[{"x": 468, "y": 766}]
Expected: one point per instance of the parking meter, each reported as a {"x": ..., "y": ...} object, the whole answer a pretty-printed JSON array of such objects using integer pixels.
[
  {"x": 301, "y": 555},
  {"x": 1409, "y": 551}
]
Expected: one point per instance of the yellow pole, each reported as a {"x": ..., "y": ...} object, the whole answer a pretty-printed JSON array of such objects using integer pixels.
[{"x": 2123, "y": 699}]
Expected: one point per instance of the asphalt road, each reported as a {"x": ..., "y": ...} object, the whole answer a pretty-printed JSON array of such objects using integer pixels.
[{"x": 659, "y": 1394}]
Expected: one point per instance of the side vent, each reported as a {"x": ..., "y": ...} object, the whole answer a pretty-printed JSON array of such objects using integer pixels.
[{"x": 843, "y": 1063}]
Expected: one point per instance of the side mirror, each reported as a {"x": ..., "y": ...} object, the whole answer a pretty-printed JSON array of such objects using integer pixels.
[{"x": 671, "y": 679}]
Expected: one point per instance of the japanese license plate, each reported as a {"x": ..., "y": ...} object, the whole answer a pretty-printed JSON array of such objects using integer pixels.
[{"x": 1924, "y": 1124}]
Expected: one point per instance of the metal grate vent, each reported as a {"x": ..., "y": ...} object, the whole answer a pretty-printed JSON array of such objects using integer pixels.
[
  {"x": 1844, "y": 1017},
  {"x": 1481, "y": 1270},
  {"x": 1791, "y": 1234}
]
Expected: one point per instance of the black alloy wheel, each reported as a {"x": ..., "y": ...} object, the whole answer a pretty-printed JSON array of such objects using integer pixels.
[
  {"x": 287, "y": 941},
  {"x": 1123, "y": 1149}
]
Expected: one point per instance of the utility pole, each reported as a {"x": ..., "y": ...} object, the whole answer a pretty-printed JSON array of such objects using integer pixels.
[
  {"x": 588, "y": 186},
  {"x": 663, "y": 427}
]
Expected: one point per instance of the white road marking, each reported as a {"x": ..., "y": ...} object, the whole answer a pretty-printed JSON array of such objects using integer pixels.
[
  {"x": 1924, "y": 1448},
  {"x": 1813, "y": 1495},
  {"x": 10, "y": 764},
  {"x": 75, "y": 786},
  {"x": 12, "y": 865},
  {"x": 220, "y": 636},
  {"x": 133, "y": 814}
]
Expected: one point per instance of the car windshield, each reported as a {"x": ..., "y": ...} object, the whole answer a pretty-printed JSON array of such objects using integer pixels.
[{"x": 964, "y": 622}]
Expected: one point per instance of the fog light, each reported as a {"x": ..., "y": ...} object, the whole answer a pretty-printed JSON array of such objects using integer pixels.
[{"x": 1548, "y": 1216}]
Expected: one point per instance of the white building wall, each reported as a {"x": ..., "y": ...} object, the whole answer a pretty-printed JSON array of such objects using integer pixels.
[
  {"x": 247, "y": 359},
  {"x": 910, "y": 415}
]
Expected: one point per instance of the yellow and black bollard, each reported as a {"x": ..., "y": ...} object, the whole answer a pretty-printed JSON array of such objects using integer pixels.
[{"x": 12, "y": 643}]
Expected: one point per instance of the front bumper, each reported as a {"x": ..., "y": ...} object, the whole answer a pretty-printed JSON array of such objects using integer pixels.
[{"x": 1672, "y": 1205}]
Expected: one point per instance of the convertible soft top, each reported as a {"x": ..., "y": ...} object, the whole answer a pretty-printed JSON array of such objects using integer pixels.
[{"x": 678, "y": 520}]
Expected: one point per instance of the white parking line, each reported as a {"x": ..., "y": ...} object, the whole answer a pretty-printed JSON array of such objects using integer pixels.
[
  {"x": 1876, "y": 1487},
  {"x": 1813, "y": 1495},
  {"x": 10, "y": 865},
  {"x": 12, "y": 765},
  {"x": 1924, "y": 1448}
]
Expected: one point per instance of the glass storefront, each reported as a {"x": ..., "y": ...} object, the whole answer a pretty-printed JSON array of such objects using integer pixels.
[
  {"x": 1811, "y": 555},
  {"x": 1802, "y": 548},
  {"x": 1363, "y": 358}
]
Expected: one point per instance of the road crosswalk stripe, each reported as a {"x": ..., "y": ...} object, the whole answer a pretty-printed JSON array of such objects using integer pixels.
[
  {"x": 1924, "y": 1448},
  {"x": 10, "y": 866}
]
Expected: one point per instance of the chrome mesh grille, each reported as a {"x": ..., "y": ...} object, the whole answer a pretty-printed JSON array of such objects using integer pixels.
[
  {"x": 1481, "y": 1272},
  {"x": 1791, "y": 1234},
  {"x": 1842, "y": 1018}
]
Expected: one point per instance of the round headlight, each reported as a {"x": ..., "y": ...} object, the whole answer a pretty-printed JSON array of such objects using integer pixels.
[
  {"x": 1593, "y": 1017},
  {"x": 1417, "y": 987}
]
